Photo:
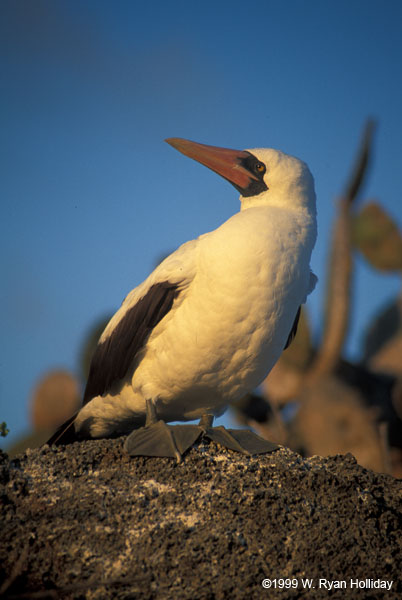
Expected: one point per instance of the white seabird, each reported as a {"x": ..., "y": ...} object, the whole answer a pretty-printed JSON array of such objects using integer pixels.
[{"x": 209, "y": 323}]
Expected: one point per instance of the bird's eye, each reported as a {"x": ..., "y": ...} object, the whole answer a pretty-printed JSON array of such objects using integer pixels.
[{"x": 260, "y": 167}]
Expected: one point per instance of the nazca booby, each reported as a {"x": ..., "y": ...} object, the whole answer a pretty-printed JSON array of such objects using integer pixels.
[{"x": 209, "y": 323}]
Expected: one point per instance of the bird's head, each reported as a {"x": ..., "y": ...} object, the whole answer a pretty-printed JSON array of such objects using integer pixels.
[{"x": 263, "y": 176}]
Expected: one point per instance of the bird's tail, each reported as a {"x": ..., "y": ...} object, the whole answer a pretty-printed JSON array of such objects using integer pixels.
[{"x": 65, "y": 434}]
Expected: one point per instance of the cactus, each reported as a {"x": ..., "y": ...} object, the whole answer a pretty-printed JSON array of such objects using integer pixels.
[{"x": 378, "y": 238}]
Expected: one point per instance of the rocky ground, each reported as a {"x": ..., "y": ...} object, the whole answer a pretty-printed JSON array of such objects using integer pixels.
[{"x": 87, "y": 521}]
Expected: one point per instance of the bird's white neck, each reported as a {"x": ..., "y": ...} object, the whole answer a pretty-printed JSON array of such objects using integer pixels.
[{"x": 294, "y": 199}]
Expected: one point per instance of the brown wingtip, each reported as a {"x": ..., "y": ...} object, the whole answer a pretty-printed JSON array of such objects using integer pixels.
[{"x": 65, "y": 434}]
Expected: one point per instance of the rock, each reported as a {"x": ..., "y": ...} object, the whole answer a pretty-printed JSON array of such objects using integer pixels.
[{"x": 87, "y": 521}]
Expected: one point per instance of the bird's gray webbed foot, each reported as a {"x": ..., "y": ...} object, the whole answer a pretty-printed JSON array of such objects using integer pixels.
[
  {"x": 157, "y": 438},
  {"x": 239, "y": 440}
]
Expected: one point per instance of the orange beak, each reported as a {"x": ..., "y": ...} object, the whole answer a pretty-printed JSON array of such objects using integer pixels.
[{"x": 227, "y": 163}]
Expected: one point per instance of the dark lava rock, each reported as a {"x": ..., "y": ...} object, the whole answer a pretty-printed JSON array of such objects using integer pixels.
[{"x": 87, "y": 521}]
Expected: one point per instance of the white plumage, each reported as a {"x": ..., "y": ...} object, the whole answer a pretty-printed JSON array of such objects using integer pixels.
[{"x": 237, "y": 292}]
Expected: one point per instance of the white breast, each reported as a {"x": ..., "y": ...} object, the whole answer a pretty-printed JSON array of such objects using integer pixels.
[{"x": 231, "y": 327}]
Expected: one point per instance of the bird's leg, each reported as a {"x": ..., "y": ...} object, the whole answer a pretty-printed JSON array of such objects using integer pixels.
[
  {"x": 206, "y": 421},
  {"x": 239, "y": 440},
  {"x": 157, "y": 438},
  {"x": 151, "y": 417}
]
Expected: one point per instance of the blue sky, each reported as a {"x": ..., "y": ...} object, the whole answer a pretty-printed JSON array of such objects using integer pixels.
[{"x": 91, "y": 196}]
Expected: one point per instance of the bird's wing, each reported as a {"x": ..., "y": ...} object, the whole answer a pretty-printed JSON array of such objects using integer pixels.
[
  {"x": 143, "y": 308},
  {"x": 65, "y": 434},
  {"x": 293, "y": 331},
  {"x": 312, "y": 283}
]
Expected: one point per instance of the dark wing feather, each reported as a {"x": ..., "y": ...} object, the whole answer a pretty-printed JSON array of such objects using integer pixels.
[
  {"x": 65, "y": 434},
  {"x": 113, "y": 357},
  {"x": 293, "y": 331}
]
